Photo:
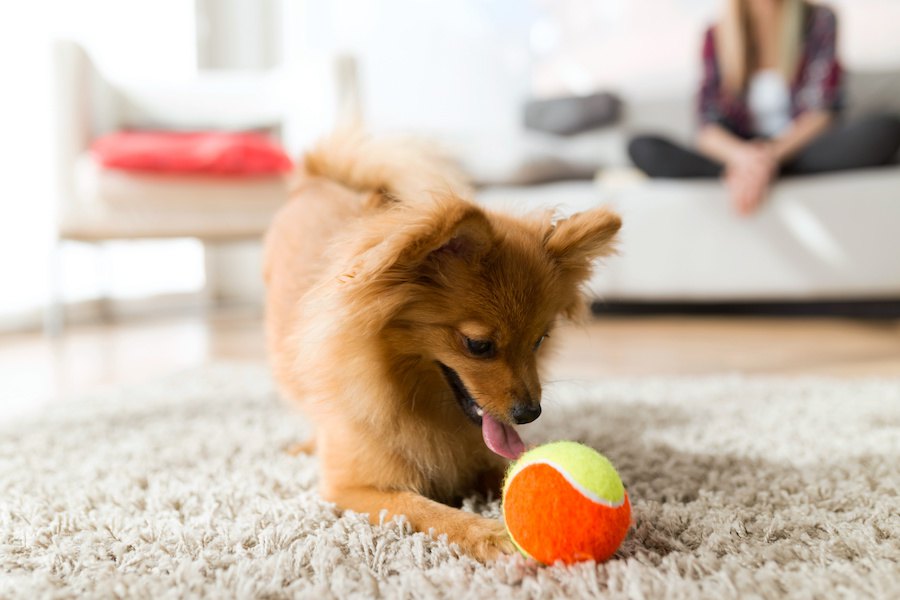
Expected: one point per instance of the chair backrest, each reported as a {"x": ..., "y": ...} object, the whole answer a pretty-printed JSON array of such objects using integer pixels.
[
  {"x": 214, "y": 100},
  {"x": 219, "y": 100}
]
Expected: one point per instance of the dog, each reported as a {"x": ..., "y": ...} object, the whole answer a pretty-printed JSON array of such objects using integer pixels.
[{"x": 408, "y": 324}]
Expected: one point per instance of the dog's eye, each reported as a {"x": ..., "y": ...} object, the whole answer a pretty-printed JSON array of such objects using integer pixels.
[
  {"x": 538, "y": 343},
  {"x": 480, "y": 348}
]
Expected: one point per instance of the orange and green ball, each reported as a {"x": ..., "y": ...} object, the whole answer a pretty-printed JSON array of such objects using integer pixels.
[{"x": 565, "y": 501}]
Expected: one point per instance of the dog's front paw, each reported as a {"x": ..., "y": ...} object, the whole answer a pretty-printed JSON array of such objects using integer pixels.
[{"x": 486, "y": 539}]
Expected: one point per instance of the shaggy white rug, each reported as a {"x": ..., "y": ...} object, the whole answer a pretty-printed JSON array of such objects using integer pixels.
[{"x": 741, "y": 488}]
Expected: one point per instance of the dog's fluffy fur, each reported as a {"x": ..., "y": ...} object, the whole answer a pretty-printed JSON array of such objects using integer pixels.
[{"x": 381, "y": 275}]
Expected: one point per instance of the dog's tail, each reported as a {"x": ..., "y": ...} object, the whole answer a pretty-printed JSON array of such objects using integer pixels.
[{"x": 397, "y": 168}]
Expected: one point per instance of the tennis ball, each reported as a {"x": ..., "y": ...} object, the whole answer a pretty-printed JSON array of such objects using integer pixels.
[{"x": 565, "y": 501}]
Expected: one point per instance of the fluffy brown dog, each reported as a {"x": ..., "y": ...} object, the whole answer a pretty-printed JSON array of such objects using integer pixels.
[{"x": 408, "y": 323}]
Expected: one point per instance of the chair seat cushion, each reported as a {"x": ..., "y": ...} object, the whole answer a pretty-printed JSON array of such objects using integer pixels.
[
  {"x": 115, "y": 204},
  {"x": 214, "y": 153}
]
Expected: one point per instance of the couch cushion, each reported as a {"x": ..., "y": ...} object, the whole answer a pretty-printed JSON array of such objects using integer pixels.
[
  {"x": 873, "y": 91},
  {"x": 673, "y": 114},
  {"x": 530, "y": 157}
]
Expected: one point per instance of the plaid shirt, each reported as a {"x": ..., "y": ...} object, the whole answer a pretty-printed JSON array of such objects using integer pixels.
[{"x": 816, "y": 85}]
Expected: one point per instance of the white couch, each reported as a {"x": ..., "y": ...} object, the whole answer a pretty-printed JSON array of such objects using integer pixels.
[{"x": 829, "y": 237}]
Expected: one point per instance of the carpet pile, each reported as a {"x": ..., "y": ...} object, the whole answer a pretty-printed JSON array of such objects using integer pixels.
[{"x": 741, "y": 487}]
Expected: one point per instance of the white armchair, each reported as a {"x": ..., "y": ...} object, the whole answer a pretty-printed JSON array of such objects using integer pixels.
[{"x": 98, "y": 204}]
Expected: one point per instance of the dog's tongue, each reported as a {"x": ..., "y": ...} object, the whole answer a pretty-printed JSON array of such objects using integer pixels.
[{"x": 501, "y": 438}]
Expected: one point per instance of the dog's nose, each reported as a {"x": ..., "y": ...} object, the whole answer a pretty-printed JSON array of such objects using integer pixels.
[{"x": 525, "y": 413}]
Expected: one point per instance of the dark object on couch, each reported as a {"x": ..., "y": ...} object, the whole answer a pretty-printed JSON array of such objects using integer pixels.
[{"x": 572, "y": 114}]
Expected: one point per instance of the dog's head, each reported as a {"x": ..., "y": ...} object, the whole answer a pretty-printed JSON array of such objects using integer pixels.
[{"x": 477, "y": 295}]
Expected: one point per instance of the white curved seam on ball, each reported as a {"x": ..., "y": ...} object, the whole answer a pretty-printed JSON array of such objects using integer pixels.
[{"x": 584, "y": 491}]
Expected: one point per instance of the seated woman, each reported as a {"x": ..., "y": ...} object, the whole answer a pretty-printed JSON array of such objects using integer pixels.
[{"x": 769, "y": 105}]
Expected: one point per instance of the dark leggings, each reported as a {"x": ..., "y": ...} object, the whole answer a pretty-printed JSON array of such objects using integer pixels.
[{"x": 867, "y": 142}]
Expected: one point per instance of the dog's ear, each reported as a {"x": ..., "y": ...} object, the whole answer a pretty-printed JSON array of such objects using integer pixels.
[
  {"x": 576, "y": 241},
  {"x": 447, "y": 229},
  {"x": 454, "y": 231}
]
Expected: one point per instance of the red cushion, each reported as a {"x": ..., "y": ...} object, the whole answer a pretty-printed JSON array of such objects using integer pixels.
[{"x": 203, "y": 153}]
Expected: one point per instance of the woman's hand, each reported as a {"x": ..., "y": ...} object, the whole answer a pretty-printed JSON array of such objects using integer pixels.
[{"x": 748, "y": 174}]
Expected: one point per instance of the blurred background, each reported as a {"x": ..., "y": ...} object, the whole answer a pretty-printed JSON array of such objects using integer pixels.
[{"x": 111, "y": 273}]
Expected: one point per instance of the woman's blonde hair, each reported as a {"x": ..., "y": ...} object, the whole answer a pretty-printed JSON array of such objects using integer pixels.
[{"x": 734, "y": 46}]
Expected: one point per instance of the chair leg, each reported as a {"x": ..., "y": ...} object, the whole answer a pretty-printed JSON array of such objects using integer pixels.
[
  {"x": 54, "y": 310},
  {"x": 105, "y": 277},
  {"x": 211, "y": 293}
]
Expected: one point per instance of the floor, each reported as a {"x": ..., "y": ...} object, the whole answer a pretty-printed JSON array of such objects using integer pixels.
[{"x": 36, "y": 374}]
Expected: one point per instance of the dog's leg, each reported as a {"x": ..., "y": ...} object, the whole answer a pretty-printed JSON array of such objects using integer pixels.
[
  {"x": 482, "y": 538},
  {"x": 490, "y": 482}
]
